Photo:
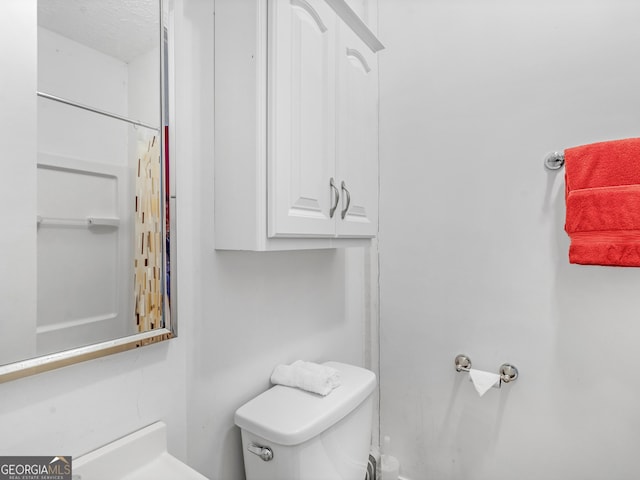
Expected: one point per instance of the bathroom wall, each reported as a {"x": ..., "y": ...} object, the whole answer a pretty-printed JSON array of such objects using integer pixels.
[
  {"x": 144, "y": 87},
  {"x": 239, "y": 313},
  {"x": 473, "y": 253}
]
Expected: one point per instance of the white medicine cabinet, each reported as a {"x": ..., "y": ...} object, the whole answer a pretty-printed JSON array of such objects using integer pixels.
[{"x": 296, "y": 124}]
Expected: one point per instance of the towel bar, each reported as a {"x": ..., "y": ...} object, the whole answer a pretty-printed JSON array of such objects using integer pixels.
[
  {"x": 554, "y": 160},
  {"x": 508, "y": 373}
]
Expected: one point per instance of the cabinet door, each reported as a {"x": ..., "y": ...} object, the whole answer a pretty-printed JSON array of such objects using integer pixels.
[
  {"x": 301, "y": 117},
  {"x": 357, "y": 137}
]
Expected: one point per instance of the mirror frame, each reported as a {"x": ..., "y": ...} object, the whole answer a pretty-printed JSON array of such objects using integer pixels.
[{"x": 32, "y": 366}]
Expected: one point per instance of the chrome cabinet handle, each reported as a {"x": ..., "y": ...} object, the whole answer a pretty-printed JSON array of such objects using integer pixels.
[
  {"x": 265, "y": 453},
  {"x": 344, "y": 189},
  {"x": 336, "y": 197}
]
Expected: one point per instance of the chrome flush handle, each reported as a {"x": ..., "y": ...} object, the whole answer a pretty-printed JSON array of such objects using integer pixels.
[
  {"x": 336, "y": 197},
  {"x": 265, "y": 453},
  {"x": 344, "y": 189}
]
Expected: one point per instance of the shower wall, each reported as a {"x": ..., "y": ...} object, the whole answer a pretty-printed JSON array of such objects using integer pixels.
[
  {"x": 87, "y": 165},
  {"x": 473, "y": 256},
  {"x": 82, "y": 172}
]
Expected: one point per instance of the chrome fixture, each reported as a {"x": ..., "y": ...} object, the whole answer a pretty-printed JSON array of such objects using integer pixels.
[
  {"x": 336, "y": 197},
  {"x": 343, "y": 187},
  {"x": 265, "y": 453},
  {"x": 508, "y": 373},
  {"x": 554, "y": 160}
]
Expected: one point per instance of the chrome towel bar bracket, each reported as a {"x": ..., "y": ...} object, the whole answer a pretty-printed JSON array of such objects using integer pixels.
[
  {"x": 508, "y": 373},
  {"x": 554, "y": 160}
]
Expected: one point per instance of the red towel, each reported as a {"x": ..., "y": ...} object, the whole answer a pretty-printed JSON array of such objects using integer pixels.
[{"x": 603, "y": 203}]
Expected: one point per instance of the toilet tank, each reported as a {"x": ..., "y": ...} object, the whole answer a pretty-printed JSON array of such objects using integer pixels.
[{"x": 310, "y": 437}]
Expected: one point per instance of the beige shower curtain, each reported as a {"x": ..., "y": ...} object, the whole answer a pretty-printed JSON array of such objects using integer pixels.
[{"x": 148, "y": 235}]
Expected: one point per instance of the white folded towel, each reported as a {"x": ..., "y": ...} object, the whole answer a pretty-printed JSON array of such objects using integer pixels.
[{"x": 308, "y": 376}]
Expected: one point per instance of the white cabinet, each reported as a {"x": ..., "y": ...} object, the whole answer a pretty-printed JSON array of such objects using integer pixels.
[
  {"x": 301, "y": 117},
  {"x": 357, "y": 136},
  {"x": 296, "y": 101}
]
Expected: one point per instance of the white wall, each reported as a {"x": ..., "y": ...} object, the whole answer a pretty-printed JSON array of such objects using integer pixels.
[
  {"x": 144, "y": 87},
  {"x": 18, "y": 264},
  {"x": 473, "y": 253},
  {"x": 74, "y": 71},
  {"x": 252, "y": 310}
]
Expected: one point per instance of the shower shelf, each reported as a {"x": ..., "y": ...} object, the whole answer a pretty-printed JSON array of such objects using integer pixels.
[{"x": 80, "y": 222}]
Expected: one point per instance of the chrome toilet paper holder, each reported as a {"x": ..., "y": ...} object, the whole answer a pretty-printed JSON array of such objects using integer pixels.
[{"x": 508, "y": 373}]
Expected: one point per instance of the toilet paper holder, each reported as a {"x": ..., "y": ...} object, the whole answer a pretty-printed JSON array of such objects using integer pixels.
[{"x": 508, "y": 373}]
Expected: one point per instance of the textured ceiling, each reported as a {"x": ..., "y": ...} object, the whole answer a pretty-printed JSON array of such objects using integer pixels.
[{"x": 123, "y": 29}]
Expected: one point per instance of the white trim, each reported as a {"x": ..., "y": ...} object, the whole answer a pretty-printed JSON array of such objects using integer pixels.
[
  {"x": 48, "y": 362},
  {"x": 358, "y": 56},
  {"x": 304, "y": 5},
  {"x": 356, "y": 24},
  {"x": 75, "y": 323}
]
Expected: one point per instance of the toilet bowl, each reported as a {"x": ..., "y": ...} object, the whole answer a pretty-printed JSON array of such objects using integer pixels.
[{"x": 290, "y": 434}]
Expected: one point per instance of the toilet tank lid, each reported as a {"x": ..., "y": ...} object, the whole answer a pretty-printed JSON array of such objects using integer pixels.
[{"x": 289, "y": 416}]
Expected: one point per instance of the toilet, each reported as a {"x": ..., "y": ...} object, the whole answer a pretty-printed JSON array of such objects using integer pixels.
[{"x": 291, "y": 434}]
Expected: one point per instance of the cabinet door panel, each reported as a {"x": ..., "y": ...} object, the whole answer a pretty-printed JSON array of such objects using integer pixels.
[
  {"x": 301, "y": 113},
  {"x": 357, "y": 136}
]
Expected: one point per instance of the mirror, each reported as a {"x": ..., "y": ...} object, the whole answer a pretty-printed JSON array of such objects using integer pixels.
[{"x": 104, "y": 190}]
